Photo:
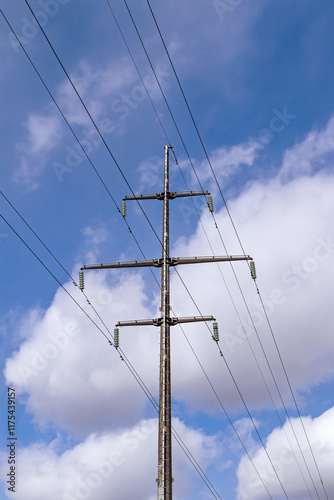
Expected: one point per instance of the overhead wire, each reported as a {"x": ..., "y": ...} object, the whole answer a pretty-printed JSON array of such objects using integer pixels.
[
  {"x": 238, "y": 237},
  {"x": 77, "y": 139},
  {"x": 120, "y": 352},
  {"x": 53, "y": 275},
  {"x": 196, "y": 128},
  {"x": 216, "y": 225},
  {"x": 193, "y": 461},
  {"x": 90, "y": 117},
  {"x": 94, "y": 123},
  {"x": 122, "y": 355},
  {"x": 84, "y": 106}
]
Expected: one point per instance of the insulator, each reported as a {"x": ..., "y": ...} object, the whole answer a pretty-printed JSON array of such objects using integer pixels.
[
  {"x": 215, "y": 331},
  {"x": 210, "y": 203},
  {"x": 81, "y": 280},
  {"x": 123, "y": 209},
  {"x": 116, "y": 337},
  {"x": 253, "y": 270}
]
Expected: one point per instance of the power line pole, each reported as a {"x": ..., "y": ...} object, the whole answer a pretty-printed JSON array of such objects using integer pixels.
[{"x": 164, "y": 480}]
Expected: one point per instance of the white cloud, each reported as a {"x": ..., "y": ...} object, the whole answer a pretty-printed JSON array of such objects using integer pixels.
[
  {"x": 110, "y": 93},
  {"x": 287, "y": 229},
  {"x": 98, "y": 467},
  {"x": 320, "y": 433},
  {"x": 94, "y": 238},
  {"x": 94, "y": 83},
  {"x": 226, "y": 163},
  {"x": 43, "y": 135},
  {"x": 150, "y": 174},
  {"x": 67, "y": 367},
  {"x": 314, "y": 153}
]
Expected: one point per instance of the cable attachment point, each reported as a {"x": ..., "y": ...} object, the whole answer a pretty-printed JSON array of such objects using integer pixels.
[
  {"x": 252, "y": 269},
  {"x": 81, "y": 280},
  {"x": 215, "y": 332},
  {"x": 210, "y": 204},
  {"x": 116, "y": 337},
  {"x": 123, "y": 209}
]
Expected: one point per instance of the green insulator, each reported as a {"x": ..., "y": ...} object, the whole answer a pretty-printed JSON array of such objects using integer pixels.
[
  {"x": 215, "y": 332},
  {"x": 116, "y": 337},
  {"x": 123, "y": 209},
  {"x": 253, "y": 270},
  {"x": 210, "y": 203},
  {"x": 81, "y": 280}
]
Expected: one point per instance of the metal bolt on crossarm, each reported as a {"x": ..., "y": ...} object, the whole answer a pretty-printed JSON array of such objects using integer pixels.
[{"x": 164, "y": 480}]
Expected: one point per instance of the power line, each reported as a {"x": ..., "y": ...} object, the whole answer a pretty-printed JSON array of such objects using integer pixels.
[
  {"x": 25, "y": 221},
  {"x": 53, "y": 276},
  {"x": 215, "y": 222},
  {"x": 196, "y": 128},
  {"x": 90, "y": 116},
  {"x": 88, "y": 111},
  {"x": 120, "y": 352},
  {"x": 76, "y": 137},
  {"x": 122, "y": 356},
  {"x": 236, "y": 232},
  {"x": 85, "y": 108},
  {"x": 139, "y": 74},
  {"x": 165, "y": 322}
]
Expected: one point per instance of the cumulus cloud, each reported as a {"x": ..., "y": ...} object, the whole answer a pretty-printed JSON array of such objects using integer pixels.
[
  {"x": 286, "y": 228},
  {"x": 98, "y": 467},
  {"x": 283, "y": 450},
  {"x": 67, "y": 367},
  {"x": 314, "y": 153}
]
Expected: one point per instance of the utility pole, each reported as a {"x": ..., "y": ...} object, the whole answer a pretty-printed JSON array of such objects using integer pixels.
[{"x": 164, "y": 480}]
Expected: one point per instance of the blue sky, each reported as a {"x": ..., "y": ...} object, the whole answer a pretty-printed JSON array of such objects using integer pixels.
[{"x": 259, "y": 81}]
